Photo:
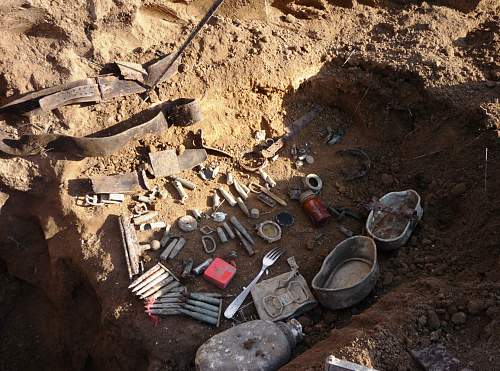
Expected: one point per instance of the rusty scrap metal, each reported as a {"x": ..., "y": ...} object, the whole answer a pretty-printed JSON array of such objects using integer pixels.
[{"x": 33, "y": 144}]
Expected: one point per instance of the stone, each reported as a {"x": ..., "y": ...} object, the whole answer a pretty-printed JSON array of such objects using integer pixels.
[
  {"x": 459, "y": 318},
  {"x": 458, "y": 189},
  {"x": 435, "y": 335},
  {"x": 290, "y": 18},
  {"x": 475, "y": 306},
  {"x": 18, "y": 173},
  {"x": 305, "y": 321},
  {"x": 387, "y": 179},
  {"x": 435, "y": 357},
  {"x": 388, "y": 279},
  {"x": 433, "y": 320}
]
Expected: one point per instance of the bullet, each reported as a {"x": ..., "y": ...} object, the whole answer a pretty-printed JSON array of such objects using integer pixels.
[
  {"x": 145, "y": 275},
  {"x": 149, "y": 279},
  {"x": 150, "y": 289}
]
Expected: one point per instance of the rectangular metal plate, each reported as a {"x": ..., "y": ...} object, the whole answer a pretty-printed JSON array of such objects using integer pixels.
[
  {"x": 164, "y": 163},
  {"x": 120, "y": 183}
]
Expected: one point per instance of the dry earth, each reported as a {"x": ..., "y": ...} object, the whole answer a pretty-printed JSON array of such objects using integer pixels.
[{"x": 415, "y": 84}]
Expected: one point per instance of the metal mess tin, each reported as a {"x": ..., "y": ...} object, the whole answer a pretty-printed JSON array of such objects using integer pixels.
[
  {"x": 392, "y": 226},
  {"x": 348, "y": 274}
]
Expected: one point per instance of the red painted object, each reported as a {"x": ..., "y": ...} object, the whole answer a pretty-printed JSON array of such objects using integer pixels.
[
  {"x": 314, "y": 208},
  {"x": 220, "y": 273}
]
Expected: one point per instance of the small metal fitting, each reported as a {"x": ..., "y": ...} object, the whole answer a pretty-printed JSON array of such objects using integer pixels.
[
  {"x": 313, "y": 182},
  {"x": 197, "y": 214},
  {"x": 255, "y": 213},
  {"x": 201, "y": 268},
  {"x": 187, "y": 223}
]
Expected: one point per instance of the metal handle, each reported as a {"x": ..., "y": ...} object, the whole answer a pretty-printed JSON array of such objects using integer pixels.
[{"x": 236, "y": 303}]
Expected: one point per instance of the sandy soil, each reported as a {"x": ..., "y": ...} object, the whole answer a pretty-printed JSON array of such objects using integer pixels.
[{"x": 414, "y": 84}]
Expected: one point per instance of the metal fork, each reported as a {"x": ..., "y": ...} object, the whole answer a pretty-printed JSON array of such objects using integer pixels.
[{"x": 268, "y": 260}]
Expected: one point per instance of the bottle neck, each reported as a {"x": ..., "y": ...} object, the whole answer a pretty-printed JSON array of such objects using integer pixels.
[{"x": 292, "y": 330}]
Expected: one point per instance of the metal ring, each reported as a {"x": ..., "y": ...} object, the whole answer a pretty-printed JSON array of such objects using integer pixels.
[
  {"x": 313, "y": 182},
  {"x": 205, "y": 244}
]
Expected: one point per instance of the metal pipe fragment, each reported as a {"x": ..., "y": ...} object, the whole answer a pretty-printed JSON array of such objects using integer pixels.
[
  {"x": 185, "y": 183},
  {"x": 200, "y": 317},
  {"x": 165, "y": 301},
  {"x": 227, "y": 196},
  {"x": 181, "y": 242},
  {"x": 197, "y": 214},
  {"x": 201, "y": 304},
  {"x": 242, "y": 206},
  {"x": 238, "y": 226},
  {"x": 205, "y": 298},
  {"x": 222, "y": 235},
  {"x": 145, "y": 217},
  {"x": 166, "y": 236},
  {"x": 207, "y": 312},
  {"x": 249, "y": 249},
  {"x": 152, "y": 226},
  {"x": 180, "y": 189},
  {"x": 228, "y": 230}
]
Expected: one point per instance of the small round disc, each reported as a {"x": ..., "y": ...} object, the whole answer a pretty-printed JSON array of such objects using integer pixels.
[{"x": 285, "y": 219}]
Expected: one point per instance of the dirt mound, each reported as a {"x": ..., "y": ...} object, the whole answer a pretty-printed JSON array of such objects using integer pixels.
[{"x": 415, "y": 85}]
